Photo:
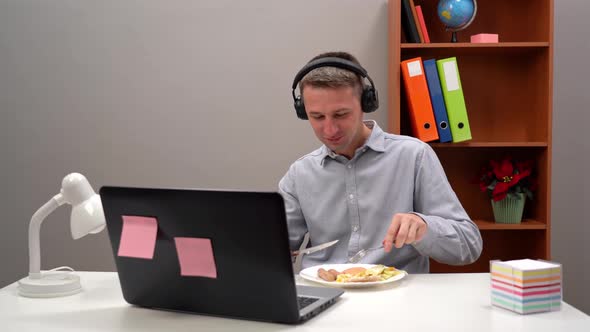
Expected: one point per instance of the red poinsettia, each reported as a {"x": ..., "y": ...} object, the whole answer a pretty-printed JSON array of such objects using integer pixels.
[{"x": 507, "y": 177}]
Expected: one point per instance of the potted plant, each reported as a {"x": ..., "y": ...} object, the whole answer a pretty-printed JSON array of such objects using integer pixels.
[{"x": 508, "y": 183}]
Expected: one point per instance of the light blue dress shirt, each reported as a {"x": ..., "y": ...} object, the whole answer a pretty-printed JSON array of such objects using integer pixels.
[{"x": 354, "y": 201}]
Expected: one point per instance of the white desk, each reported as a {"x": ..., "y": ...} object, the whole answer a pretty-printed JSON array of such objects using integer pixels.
[{"x": 427, "y": 302}]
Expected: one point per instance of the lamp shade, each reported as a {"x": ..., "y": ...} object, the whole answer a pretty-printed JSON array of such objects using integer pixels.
[
  {"x": 87, "y": 214},
  {"x": 87, "y": 217}
]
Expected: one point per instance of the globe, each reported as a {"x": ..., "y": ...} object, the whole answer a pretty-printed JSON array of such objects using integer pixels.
[{"x": 456, "y": 15}]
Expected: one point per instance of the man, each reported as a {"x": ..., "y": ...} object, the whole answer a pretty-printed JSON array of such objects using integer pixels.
[{"x": 365, "y": 187}]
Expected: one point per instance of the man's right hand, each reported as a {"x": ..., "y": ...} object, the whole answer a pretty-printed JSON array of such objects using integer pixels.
[{"x": 405, "y": 228}]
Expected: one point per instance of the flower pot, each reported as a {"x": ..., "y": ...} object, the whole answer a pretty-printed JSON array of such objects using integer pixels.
[{"x": 509, "y": 210}]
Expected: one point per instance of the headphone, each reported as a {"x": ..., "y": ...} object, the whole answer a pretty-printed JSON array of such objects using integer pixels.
[{"x": 369, "y": 98}]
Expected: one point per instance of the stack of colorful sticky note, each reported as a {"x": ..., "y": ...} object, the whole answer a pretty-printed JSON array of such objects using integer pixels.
[{"x": 525, "y": 285}]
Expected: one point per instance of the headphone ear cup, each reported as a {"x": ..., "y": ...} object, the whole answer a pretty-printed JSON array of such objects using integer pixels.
[
  {"x": 370, "y": 101},
  {"x": 300, "y": 108}
]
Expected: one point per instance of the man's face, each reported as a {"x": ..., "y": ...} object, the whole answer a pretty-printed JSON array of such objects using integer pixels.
[{"x": 336, "y": 118}]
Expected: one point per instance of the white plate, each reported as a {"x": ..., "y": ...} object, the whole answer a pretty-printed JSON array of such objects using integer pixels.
[{"x": 311, "y": 274}]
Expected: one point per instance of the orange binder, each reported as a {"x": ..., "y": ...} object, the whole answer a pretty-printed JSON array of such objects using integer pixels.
[{"x": 419, "y": 106}]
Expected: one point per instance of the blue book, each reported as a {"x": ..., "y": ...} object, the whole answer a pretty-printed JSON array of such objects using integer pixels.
[{"x": 438, "y": 102}]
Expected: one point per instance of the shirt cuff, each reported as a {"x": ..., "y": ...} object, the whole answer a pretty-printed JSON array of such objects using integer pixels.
[{"x": 424, "y": 245}]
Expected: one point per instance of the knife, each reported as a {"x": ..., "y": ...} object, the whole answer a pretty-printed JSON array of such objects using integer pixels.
[{"x": 319, "y": 247}]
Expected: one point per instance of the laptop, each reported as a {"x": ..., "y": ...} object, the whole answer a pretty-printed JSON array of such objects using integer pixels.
[{"x": 213, "y": 252}]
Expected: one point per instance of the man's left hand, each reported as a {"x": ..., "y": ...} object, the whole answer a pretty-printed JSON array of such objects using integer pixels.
[{"x": 405, "y": 228}]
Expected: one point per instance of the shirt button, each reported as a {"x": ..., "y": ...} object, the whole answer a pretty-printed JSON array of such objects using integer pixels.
[
  {"x": 349, "y": 166},
  {"x": 351, "y": 196},
  {"x": 355, "y": 228}
]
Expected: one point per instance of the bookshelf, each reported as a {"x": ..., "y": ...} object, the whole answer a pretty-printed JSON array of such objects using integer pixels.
[{"x": 508, "y": 92}]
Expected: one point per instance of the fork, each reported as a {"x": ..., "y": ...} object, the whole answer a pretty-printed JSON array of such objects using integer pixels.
[{"x": 362, "y": 253}]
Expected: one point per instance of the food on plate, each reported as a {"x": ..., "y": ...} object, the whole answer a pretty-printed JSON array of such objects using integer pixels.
[
  {"x": 334, "y": 272},
  {"x": 359, "y": 274},
  {"x": 354, "y": 270},
  {"x": 327, "y": 275},
  {"x": 362, "y": 279}
]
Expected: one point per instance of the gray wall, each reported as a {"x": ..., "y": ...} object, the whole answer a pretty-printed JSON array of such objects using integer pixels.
[
  {"x": 197, "y": 94},
  {"x": 157, "y": 93},
  {"x": 571, "y": 116}
]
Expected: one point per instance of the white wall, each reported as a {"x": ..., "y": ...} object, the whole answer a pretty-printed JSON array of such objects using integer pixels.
[
  {"x": 157, "y": 93},
  {"x": 570, "y": 183}
]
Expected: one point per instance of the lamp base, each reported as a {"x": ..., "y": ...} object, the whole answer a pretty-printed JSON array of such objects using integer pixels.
[{"x": 50, "y": 285}]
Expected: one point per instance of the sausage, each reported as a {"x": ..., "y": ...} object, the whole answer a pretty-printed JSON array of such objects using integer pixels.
[
  {"x": 325, "y": 275},
  {"x": 334, "y": 272}
]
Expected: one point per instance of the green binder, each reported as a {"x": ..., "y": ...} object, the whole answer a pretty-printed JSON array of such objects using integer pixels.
[{"x": 454, "y": 101}]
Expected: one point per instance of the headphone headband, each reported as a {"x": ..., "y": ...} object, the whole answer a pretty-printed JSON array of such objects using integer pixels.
[
  {"x": 369, "y": 100},
  {"x": 330, "y": 62}
]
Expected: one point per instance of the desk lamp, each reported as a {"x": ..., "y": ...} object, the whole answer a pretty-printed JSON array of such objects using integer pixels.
[{"x": 87, "y": 217}]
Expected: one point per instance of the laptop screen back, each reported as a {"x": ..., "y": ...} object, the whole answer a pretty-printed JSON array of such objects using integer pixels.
[{"x": 214, "y": 252}]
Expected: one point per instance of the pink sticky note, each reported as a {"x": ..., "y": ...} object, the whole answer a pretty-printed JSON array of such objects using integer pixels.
[
  {"x": 196, "y": 257},
  {"x": 138, "y": 237}
]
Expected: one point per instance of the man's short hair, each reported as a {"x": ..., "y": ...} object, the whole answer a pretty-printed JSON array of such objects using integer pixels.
[{"x": 332, "y": 77}]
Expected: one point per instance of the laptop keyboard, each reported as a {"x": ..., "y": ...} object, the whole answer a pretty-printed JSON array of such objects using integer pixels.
[{"x": 303, "y": 301}]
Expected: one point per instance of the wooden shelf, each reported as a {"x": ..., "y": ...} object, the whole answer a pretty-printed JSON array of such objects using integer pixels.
[
  {"x": 526, "y": 224},
  {"x": 458, "y": 49},
  {"x": 508, "y": 91},
  {"x": 475, "y": 45},
  {"x": 490, "y": 145}
]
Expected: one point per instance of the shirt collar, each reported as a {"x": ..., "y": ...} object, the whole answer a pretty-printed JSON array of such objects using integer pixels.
[{"x": 375, "y": 142}]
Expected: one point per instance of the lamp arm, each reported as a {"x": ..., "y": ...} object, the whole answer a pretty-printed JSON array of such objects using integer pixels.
[{"x": 34, "y": 232}]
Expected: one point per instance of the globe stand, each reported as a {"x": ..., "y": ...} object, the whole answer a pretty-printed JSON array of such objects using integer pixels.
[{"x": 454, "y": 37}]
